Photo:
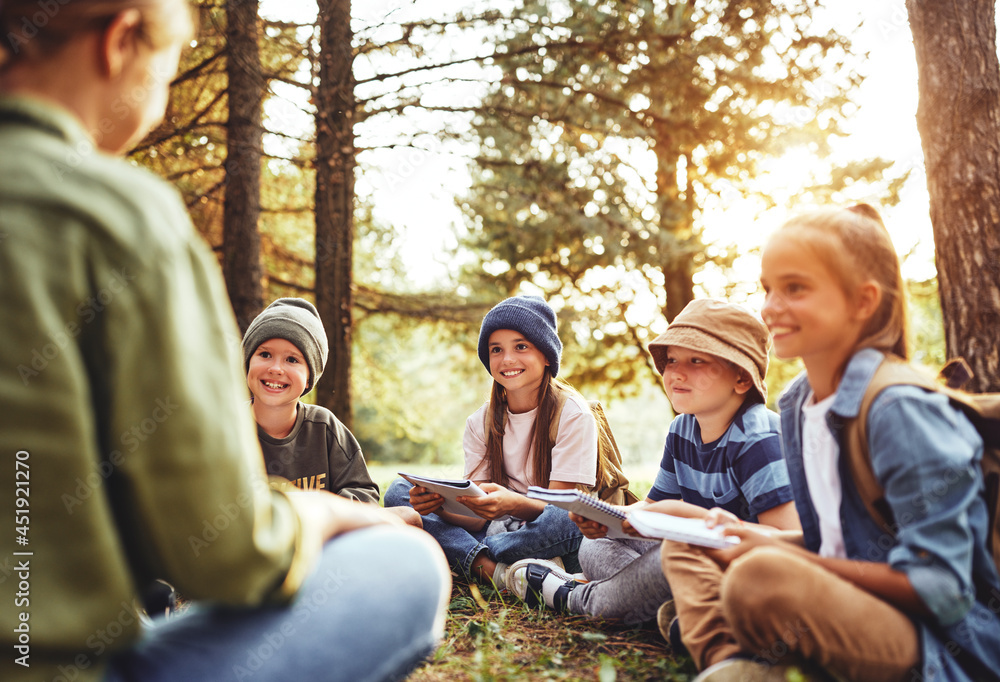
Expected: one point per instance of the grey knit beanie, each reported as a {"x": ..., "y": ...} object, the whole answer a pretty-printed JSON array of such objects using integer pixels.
[
  {"x": 531, "y": 316},
  {"x": 297, "y": 321}
]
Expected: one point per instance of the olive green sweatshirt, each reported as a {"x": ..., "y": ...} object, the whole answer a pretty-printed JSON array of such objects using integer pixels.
[{"x": 128, "y": 453}]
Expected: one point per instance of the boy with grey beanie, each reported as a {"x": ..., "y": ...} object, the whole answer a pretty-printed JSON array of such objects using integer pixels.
[{"x": 284, "y": 354}]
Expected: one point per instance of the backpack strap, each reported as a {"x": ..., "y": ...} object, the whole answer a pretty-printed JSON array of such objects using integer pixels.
[
  {"x": 892, "y": 372},
  {"x": 611, "y": 484}
]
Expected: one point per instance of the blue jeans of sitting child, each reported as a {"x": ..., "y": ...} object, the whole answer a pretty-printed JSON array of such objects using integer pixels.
[
  {"x": 550, "y": 535},
  {"x": 372, "y": 610}
]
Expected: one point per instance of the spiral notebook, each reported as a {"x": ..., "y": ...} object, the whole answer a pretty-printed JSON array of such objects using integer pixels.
[
  {"x": 694, "y": 531},
  {"x": 586, "y": 506}
]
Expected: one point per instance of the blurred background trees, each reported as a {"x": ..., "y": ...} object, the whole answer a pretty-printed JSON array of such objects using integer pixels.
[{"x": 591, "y": 142}]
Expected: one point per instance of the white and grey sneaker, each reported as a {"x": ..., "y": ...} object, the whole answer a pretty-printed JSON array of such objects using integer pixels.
[{"x": 540, "y": 581}]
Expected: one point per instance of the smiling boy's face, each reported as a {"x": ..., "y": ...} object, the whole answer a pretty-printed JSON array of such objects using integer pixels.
[
  {"x": 278, "y": 373},
  {"x": 702, "y": 384}
]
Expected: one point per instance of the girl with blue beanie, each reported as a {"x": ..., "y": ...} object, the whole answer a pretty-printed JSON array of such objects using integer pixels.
[{"x": 508, "y": 447}]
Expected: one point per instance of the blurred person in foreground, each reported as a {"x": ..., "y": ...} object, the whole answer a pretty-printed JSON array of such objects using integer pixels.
[{"x": 130, "y": 454}]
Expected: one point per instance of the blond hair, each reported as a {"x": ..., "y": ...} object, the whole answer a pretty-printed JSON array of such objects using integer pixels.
[
  {"x": 31, "y": 30},
  {"x": 855, "y": 247}
]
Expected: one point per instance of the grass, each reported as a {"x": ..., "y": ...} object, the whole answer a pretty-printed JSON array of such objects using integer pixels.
[
  {"x": 492, "y": 637},
  {"x": 496, "y": 637}
]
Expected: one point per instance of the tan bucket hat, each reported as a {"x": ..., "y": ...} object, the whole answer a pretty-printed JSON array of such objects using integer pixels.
[{"x": 722, "y": 329}]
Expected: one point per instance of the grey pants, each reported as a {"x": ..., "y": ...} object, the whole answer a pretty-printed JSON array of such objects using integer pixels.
[{"x": 626, "y": 580}]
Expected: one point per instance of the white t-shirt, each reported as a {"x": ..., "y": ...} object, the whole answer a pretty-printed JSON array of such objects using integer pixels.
[
  {"x": 574, "y": 454},
  {"x": 819, "y": 456}
]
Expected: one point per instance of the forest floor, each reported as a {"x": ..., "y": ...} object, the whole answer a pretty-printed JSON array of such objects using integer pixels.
[{"x": 492, "y": 637}]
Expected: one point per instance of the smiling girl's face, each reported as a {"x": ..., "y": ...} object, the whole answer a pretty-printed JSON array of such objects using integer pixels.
[
  {"x": 806, "y": 308},
  {"x": 515, "y": 363}
]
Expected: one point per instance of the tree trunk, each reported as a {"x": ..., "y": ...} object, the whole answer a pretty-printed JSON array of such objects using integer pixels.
[
  {"x": 241, "y": 214},
  {"x": 959, "y": 121},
  {"x": 335, "y": 160},
  {"x": 676, "y": 218}
]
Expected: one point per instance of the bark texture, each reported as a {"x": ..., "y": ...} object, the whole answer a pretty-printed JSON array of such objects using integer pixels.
[
  {"x": 959, "y": 121},
  {"x": 335, "y": 161},
  {"x": 241, "y": 214}
]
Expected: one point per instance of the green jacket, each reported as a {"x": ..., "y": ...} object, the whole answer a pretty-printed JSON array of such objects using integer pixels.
[{"x": 128, "y": 452}]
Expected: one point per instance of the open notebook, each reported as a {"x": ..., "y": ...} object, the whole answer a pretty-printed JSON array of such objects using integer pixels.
[
  {"x": 449, "y": 490},
  {"x": 585, "y": 505},
  {"x": 694, "y": 531}
]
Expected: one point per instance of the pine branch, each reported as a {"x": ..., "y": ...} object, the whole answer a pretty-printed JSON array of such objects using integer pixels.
[
  {"x": 197, "y": 69},
  {"x": 496, "y": 54},
  {"x": 207, "y": 194}
]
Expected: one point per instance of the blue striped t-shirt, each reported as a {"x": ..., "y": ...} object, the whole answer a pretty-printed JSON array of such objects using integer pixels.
[{"x": 743, "y": 472}]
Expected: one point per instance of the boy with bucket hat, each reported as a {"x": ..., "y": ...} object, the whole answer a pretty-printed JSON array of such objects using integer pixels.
[{"x": 722, "y": 452}]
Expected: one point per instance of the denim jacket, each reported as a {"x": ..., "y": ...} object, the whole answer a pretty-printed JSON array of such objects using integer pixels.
[{"x": 925, "y": 454}]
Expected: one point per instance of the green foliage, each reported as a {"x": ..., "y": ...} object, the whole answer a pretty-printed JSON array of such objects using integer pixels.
[
  {"x": 189, "y": 147},
  {"x": 612, "y": 130},
  {"x": 412, "y": 392},
  {"x": 926, "y": 324},
  {"x": 607, "y": 132}
]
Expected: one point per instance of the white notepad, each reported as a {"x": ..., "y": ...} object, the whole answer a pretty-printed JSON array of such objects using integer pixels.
[
  {"x": 449, "y": 489},
  {"x": 682, "y": 529}
]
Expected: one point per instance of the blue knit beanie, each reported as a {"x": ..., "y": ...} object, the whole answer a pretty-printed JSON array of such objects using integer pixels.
[{"x": 529, "y": 315}]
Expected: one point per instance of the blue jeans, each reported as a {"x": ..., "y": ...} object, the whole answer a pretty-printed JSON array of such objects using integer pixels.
[
  {"x": 372, "y": 610},
  {"x": 550, "y": 535}
]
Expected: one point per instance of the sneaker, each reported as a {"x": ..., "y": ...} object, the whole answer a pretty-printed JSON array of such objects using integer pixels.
[
  {"x": 670, "y": 627},
  {"x": 746, "y": 670},
  {"x": 664, "y": 615},
  {"x": 158, "y": 599},
  {"x": 500, "y": 577},
  {"x": 526, "y": 577},
  {"x": 558, "y": 561}
]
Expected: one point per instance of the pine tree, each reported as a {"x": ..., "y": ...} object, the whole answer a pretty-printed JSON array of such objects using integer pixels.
[{"x": 958, "y": 117}]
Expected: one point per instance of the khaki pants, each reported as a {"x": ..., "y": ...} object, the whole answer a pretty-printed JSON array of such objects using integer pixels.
[{"x": 779, "y": 607}]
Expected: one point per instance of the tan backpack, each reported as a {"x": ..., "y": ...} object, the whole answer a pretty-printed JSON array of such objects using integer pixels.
[
  {"x": 612, "y": 484},
  {"x": 983, "y": 410}
]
